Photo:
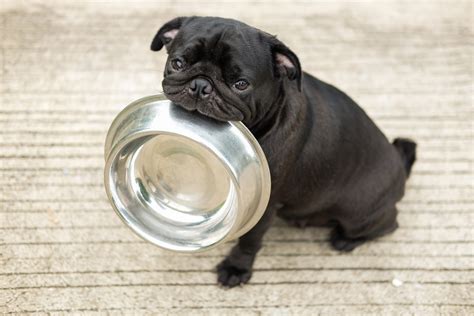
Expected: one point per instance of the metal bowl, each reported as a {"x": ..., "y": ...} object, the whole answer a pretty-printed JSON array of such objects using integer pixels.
[{"x": 183, "y": 181}]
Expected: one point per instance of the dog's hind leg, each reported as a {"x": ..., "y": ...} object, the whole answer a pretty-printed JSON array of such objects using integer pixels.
[{"x": 349, "y": 234}]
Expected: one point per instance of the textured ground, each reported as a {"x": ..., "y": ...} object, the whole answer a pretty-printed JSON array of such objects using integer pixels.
[{"x": 67, "y": 69}]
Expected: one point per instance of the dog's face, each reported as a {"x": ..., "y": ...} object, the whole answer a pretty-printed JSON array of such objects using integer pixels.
[{"x": 225, "y": 69}]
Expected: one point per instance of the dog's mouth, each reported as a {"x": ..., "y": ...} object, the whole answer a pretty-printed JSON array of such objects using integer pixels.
[{"x": 213, "y": 106}]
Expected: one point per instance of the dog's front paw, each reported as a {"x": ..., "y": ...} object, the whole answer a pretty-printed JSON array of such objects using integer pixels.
[{"x": 229, "y": 275}]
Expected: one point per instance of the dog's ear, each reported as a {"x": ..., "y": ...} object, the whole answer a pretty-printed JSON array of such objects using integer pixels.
[
  {"x": 285, "y": 62},
  {"x": 167, "y": 33}
]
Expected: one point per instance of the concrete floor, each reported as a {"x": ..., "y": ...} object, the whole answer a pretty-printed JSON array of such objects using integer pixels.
[{"x": 68, "y": 67}]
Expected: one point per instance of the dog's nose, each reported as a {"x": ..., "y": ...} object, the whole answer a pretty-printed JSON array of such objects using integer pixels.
[{"x": 200, "y": 88}]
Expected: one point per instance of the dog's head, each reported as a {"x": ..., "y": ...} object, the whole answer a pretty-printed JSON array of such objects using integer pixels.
[{"x": 223, "y": 68}]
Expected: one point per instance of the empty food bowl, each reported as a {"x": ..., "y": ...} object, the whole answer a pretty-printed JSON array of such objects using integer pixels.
[{"x": 183, "y": 181}]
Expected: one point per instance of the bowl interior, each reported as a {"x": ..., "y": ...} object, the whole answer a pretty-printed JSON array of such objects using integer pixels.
[
  {"x": 181, "y": 175},
  {"x": 174, "y": 192}
]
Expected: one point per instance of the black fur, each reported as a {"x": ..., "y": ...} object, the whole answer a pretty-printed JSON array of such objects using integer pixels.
[{"x": 330, "y": 164}]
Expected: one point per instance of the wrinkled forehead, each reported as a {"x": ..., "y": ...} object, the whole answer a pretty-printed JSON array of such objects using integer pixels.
[{"x": 226, "y": 42}]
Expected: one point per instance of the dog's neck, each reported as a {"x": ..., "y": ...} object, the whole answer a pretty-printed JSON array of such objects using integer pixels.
[
  {"x": 282, "y": 108},
  {"x": 281, "y": 134}
]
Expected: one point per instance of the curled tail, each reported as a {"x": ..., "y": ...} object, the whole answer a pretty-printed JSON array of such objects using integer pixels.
[{"x": 407, "y": 150}]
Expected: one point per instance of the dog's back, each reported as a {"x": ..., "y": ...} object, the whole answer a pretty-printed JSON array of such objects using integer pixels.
[{"x": 356, "y": 175}]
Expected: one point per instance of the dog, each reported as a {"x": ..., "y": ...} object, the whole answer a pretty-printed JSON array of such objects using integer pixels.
[{"x": 330, "y": 165}]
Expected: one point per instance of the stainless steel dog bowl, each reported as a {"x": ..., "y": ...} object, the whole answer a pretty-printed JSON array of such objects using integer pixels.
[{"x": 181, "y": 180}]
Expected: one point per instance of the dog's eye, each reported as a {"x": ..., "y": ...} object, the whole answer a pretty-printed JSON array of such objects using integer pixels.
[
  {"x": 241, "y": 84},
  {"x": 177, "y": 64}
]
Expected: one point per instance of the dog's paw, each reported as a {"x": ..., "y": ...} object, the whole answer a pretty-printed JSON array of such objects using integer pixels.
[
  {"x": 342, "y": 243},
  {"x": 230, "y": 276}
]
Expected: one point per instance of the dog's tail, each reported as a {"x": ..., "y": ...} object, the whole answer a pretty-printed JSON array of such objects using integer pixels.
[{"x": 407, "y": 150}]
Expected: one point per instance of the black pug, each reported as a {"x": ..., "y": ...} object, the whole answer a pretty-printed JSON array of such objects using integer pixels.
[{"x": 329, "y": 163}]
